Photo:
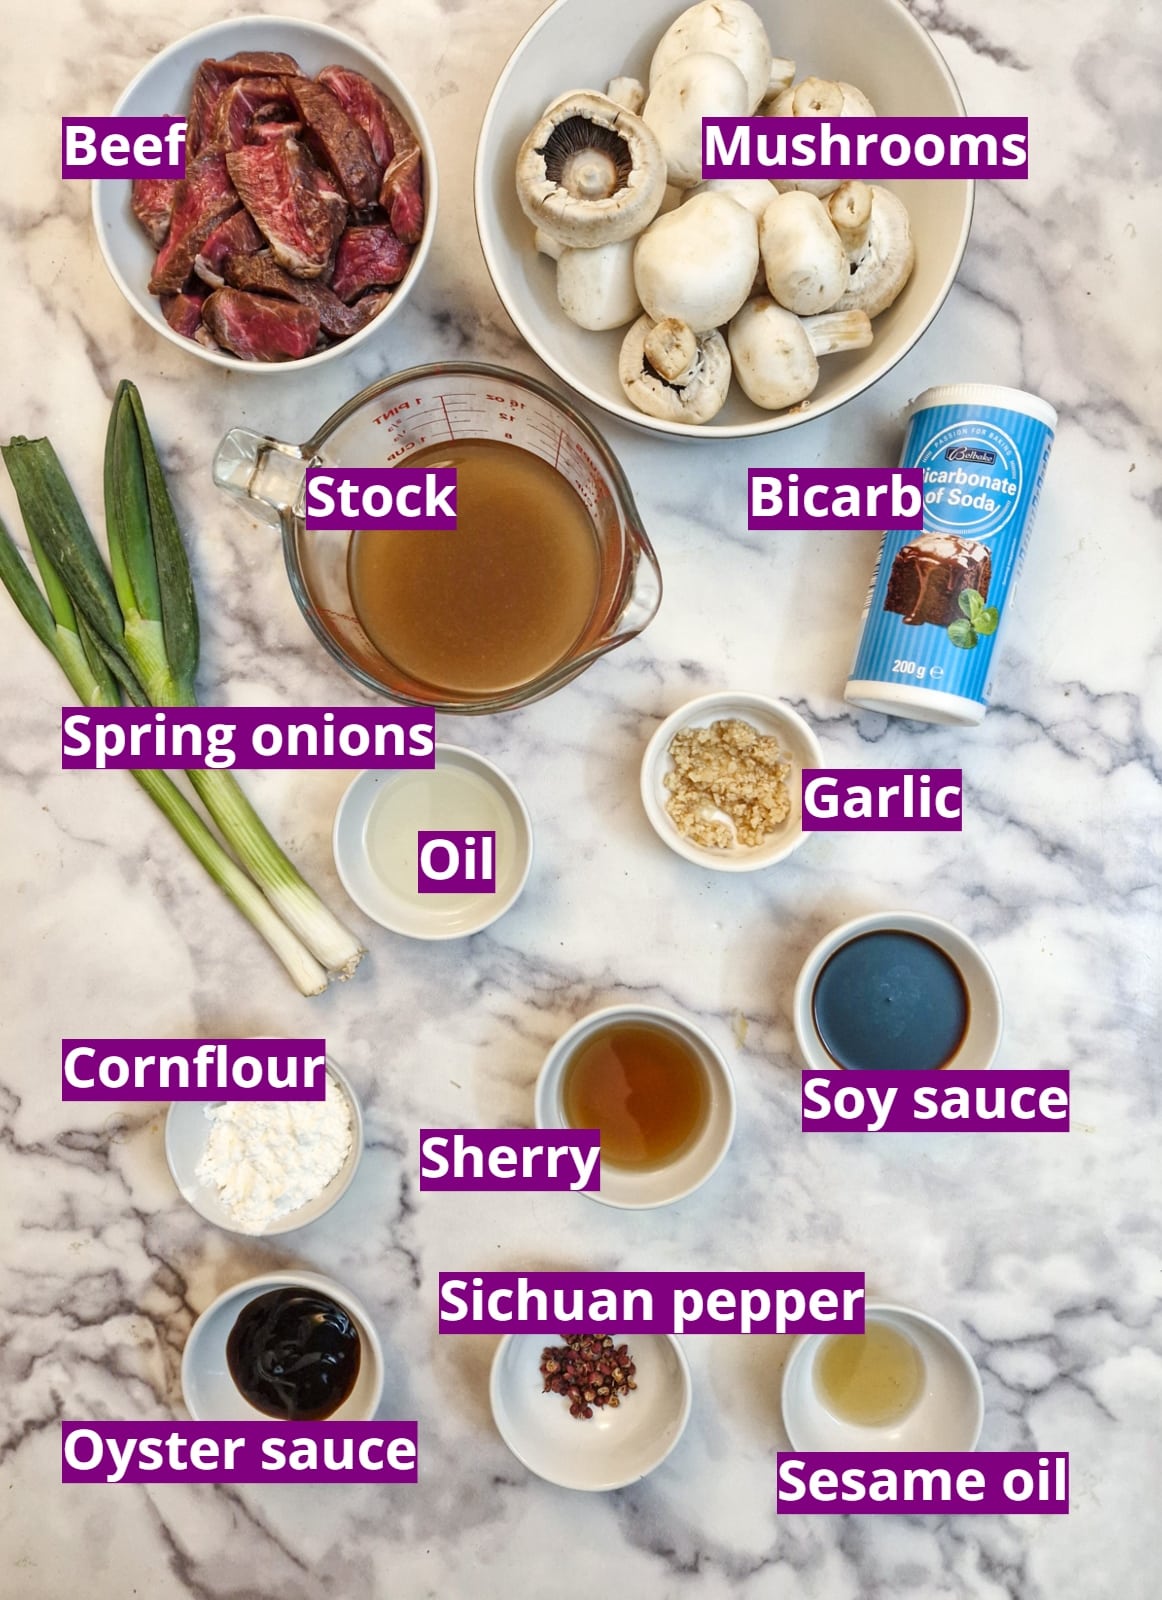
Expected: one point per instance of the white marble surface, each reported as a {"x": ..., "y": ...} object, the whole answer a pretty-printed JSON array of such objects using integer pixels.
[{"x": 1042, "y": 1252}]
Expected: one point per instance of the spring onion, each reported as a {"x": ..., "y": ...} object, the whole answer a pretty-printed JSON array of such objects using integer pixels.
[{"x": 138, "y": 622}]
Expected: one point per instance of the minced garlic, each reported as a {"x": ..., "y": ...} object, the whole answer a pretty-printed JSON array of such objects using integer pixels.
[{"x": 733, "y": 768}]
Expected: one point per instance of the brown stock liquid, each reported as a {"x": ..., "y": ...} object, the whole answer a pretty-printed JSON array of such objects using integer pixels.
[
  {"x": 498, "y": 602},
  {"x": 644, "y": 1087}
]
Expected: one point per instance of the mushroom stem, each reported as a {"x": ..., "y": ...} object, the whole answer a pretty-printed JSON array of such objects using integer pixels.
[
  {"x": 590, "y": 175},
  {"x": 837, "y": 330},
  {"x": 546, "y": 245},
  {"x": 782, "y": 77},
  {"x": 850, "y": 209},
  {"x": 627, "y": 92},
  {"x": 671, "y": 348},
  {"x": 817, "y": 97}
]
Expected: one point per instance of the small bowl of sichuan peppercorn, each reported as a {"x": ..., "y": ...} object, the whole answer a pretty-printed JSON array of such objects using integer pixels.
[
  {"x": 590, "y": 1410},
  {"x": 308, "y": 204}
]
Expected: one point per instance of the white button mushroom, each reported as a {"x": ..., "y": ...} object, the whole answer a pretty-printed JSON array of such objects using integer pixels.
[
  {"x": 755, "y": 194},
  {"x": 697, "y": 392},
  {"x": 723, "y": 28},
  {"x": 696, "y": 86},
  {"x": 775, "y": 353},
  {"x": 698, "y": 263},
  {"x": 596, "y": 287},
  {"x": 877, "y": 238},
  {"x": 819, "y": 97},
  {"x": 590, "y": 172},
  {"x": 806, "y": 269}
]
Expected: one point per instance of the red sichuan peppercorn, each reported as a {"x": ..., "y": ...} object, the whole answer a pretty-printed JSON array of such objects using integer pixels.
[{"x": 588, "y": 1371}]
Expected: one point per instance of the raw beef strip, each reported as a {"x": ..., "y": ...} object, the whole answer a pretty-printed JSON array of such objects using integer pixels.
[
  {"x": 261, "y": 131},
  {"x": 401, "y": 193},
  {"x": 301, "y": 218},
  {"x": 262, "y": 272},
  {"x": 204, "y": 198},
  {"x": 368, "y": 258},
  {"x": 183, "y": 312},
  {"x": 362, "y": 100},
  {"x": 153, "y": 205},
  {"x": 237, "y": 236},
  {"x": 214, "y": 76},
  {"x": 238, "y": 104},
  {"x": 402, "y": 196},
  {"x": 336, "y": 141},
  {"x": 260, "y": 328}
]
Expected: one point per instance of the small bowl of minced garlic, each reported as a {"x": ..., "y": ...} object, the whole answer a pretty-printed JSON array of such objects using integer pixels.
[
  {"x": 721, "y": 780},
  {"x": 264, "y": 1167}
]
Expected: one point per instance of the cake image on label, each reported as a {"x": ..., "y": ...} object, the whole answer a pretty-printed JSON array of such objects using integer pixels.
[{"x": 929, "y": 575}]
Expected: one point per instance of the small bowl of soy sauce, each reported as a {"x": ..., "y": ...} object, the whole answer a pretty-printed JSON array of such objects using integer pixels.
[
  {"x": 285, "y": 1346},
  {"x": 897, "y": 991}
]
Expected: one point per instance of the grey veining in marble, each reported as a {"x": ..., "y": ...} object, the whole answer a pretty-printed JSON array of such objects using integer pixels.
[{"x": 1042, "y": 1252}]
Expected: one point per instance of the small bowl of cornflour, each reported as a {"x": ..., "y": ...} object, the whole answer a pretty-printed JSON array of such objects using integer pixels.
[{"x": 265, "y": 1166}]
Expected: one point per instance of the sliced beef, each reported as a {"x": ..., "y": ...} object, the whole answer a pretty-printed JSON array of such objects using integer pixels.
[
  {"x": 262, "y": 131},
  {"x": 236, "y": 236},
  {"x": 336, "y": 141},
  {"x": 401, "y": 195},
  {"x": 260, "y": 328},
  {"x": 368, "y": 258},
  {"x": 214, "y": 77},
  {"x": 239, "y": 104},
  {"x": 298, "y": 212},
  {"x": 262, "y": 272},
  {"x": 203, "y": 199},
  {"x": 183, "y": 312},
  {"x": 153, "y": 205},
  {"x": 363, "y": 101}
]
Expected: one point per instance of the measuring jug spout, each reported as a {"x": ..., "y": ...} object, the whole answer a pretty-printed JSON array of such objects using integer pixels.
[{"x": 265, "y": 472}]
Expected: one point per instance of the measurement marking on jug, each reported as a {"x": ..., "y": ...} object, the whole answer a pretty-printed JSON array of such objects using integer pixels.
[
  {"x": 447, "y": 418},
  {"x": 560, "y": 442}
]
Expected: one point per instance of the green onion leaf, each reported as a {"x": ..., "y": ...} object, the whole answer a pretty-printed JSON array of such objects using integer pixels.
[
  {"x": 128, "y": 525},
  {"x": 179, "y": 608},
  {"x": 21, "y": 585}
]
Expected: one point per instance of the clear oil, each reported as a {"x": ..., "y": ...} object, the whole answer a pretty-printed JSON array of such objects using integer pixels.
[
  {"x": 871, "y": 1379},
  {"x": 500, "y": 600}
]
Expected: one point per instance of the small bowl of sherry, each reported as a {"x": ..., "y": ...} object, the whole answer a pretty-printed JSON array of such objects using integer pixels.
[{"x": 660, "y": 1093}]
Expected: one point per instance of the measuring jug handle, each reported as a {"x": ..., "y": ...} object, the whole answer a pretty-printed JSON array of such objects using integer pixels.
[{"x": 265, "y": 472}]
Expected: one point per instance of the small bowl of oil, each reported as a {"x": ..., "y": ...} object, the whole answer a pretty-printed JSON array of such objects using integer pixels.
[
  {"x": 658, "y": 1090},
  {"x": 905, "y": 1383},
  {"x": 376, "y": 844}
]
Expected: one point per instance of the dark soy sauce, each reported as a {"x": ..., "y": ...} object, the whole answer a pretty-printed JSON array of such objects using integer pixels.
[
  {"x": 294, "y": 1354},
  {"x": 890, "y": 1001}
]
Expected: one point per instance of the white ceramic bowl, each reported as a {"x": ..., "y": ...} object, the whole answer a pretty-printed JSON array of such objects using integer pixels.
[
  {"x": 875, "y": 44},
  {"x": 769, "y": 717},
  {"x": 986, "y": 1012},
  {"x": 611, "y": 1448},
  {"x": 209, "y": 1390},
  {"x": 437, "y": 916},
  {"x": 186, "y": 1130},
  {"x": 624, "y": 1187},
  {"x": 162, "y": 88},
  {"x": 947, "y": 1416}
]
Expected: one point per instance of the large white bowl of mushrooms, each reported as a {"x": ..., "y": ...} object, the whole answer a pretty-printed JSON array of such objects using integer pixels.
[{"x": 719, "y": 309}]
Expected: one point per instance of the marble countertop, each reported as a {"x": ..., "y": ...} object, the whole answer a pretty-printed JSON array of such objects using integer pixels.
[{"x": 1041, "y": 1252}]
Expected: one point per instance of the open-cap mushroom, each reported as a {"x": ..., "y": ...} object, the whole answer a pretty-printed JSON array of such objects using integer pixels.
[
  {"x": 776, "y": 354},
  {"x": 697, "y": 263},
  {"x": 590, "y": 172},
  {"x": 727, "y": 28},
  {"x": 596, "y": 288},
  {"x": 878, "y": 244},
  {"x": 696, "y": 86},
  {"x": 697, "y": 392},
  {"x": 819, "y": 97},
  {"x": 806, "y": 269}
]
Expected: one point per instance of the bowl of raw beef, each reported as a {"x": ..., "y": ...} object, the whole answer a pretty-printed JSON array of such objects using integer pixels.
[{"x": 308, "y": 205}]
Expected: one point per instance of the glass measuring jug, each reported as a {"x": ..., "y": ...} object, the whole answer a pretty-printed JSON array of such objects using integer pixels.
[{"x": 384, "y": 426}]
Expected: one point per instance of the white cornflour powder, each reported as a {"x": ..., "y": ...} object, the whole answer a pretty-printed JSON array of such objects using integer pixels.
[{"x": 266, "y": 1158}]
